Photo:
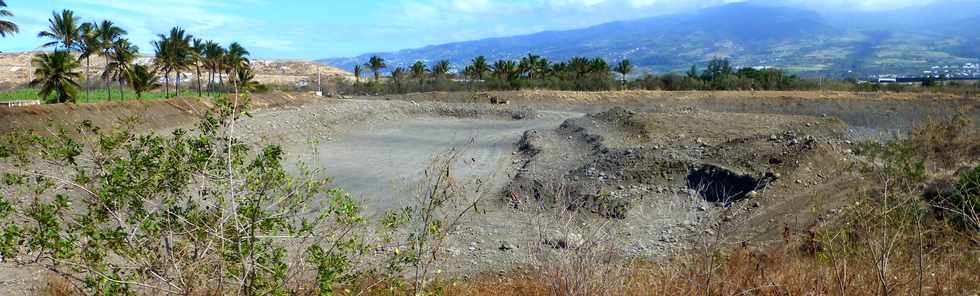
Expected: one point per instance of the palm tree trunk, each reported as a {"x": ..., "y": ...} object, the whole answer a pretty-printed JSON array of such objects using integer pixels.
[
  {"x": 177, "y": 84},
  {"x": 166, "y": 84},
  {"x": 107, "y": 82},
  {"x": 200, "y": 93},
  {"x": 88, "y": 77}
]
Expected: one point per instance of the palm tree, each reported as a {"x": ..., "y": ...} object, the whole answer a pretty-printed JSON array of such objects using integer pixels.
[
  {"x": 505, "y": 69},
  {"x": 580, "y": 66},
  {"x": 530, "y": 65},
  {"x": 480, "y": 66},
  {"x": 599, "y": 67},
  {"x": 418, "y": 71},
  {"x": 143, "y": 79},
  {"x": 180, "y": 54},
  {"x": 63, "y": 29},
  {"x": 245, "y": 79},
  {"x": 397, "y": 76},
  {"x": 108, "y": 33},
  {"x": 123, "y": 55},
  {"x": 56, "y": 72},
  {"x": 440, "y": 69},
  {"x": 161, "y": 59},
  {"x": 236, "y": 59},
  {"x": 89, "y": 44},
  {"x": 357, "y": 73},
  {"x": 6, "y": 27},
  {"x": 376, "y": 64},
  {"x": 214, "y": 56},
  {"x": 197, "y": 58},
  {"x": 624, "y": 68}
]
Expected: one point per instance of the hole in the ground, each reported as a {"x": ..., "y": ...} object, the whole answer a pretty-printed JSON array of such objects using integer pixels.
[{"x": 717, "y": 184}]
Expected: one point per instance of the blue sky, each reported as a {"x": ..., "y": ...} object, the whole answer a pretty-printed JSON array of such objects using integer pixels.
[{"x": 312, "y": 29}]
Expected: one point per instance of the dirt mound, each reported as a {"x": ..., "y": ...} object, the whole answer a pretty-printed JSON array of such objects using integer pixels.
[
  {"x": 155, "y": 114},
  {"x": 868, "y": 114},
  {"x": 618, "y": 163}
]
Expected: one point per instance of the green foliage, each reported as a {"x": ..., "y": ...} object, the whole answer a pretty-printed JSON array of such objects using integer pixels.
[
  {"x": 6, "y": 27},
  {"x": 96, "y": 95},
  {"x": 117, "y": 212},
  {"x": 966, "y": 198},
  {"x": 56, "y": 73}
]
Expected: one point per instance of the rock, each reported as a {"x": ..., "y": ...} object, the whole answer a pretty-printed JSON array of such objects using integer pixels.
[
  {"x": 505, "y": 246},
  {"x": 564, "y": 241},
  {"x": 752, "y": 194},
  {"x": 756, "y": 204}
]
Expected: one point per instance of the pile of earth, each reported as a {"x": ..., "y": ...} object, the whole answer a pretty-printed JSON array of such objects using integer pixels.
[{"x": 724, "y": 168}]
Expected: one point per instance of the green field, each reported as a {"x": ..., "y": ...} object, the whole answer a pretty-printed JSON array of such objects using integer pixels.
[{"x": 93, "y": 96}]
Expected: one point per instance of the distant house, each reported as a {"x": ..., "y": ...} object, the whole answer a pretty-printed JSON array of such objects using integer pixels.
[{"x": 887, "y": 80}]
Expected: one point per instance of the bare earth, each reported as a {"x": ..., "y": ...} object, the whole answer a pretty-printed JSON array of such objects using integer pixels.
[{"x": 639, "y": 151}]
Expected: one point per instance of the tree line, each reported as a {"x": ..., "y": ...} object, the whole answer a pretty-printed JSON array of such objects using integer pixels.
[
  {"x": 175, "y": 55},
  {"x": 577, "y": 73}
]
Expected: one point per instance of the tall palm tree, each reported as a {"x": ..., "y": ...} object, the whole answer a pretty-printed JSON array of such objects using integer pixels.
[
  {"x": 214, "y": 56},
  {"x": 89, "y": 44},
  {"x": 440, "y": 69},
  {"x": 357, "y": 73},
  {"x": 197, "y": 58},
  {"x": 6, "y": 27},
  {"x": 180, "y": 54},
  {"x": 530, "y": 65},
  {"x": 418, "y": 71},
  {"x": 624, "y": 68},
  {"x": 236, "y": 60},
  {"x": 480, "y": 66},
  {"x": 143, "y": 79},
  {"x": 123, "y": 55},
  {"x": 62, "y": 29},
  {"x": 108, "y": 33},
  {"x": 56, "y": 72},
  {"x": 161, "y": 58},
  {"x": 376, "y": 64}
]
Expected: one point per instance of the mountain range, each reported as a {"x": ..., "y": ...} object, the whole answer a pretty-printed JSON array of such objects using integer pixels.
[{"x": 807, "y": 42}]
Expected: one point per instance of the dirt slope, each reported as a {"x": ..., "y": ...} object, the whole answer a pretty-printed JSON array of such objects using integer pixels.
[{"x": 156, "y": 114}]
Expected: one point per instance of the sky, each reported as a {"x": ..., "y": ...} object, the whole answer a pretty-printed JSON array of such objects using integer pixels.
[{"x": 314, "y": 29}]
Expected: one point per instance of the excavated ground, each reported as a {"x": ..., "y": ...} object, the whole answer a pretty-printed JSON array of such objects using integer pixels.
[{"x": 660, "y": 172}]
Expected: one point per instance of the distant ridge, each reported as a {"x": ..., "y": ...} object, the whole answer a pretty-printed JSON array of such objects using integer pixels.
[{"x": 800, "y": 40}]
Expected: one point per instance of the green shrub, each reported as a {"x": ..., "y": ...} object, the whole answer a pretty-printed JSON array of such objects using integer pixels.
[
  {"x": 966, "y": 198},
  {"x": 194, "y": 212}
]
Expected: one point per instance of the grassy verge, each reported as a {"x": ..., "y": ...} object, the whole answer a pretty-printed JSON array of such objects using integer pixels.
[{"x": 93, "y": 96}]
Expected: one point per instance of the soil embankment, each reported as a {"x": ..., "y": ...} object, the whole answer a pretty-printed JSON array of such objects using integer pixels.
[
  {"x": 155, "y": 114},
  {"x": 868, "y": 114}
]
